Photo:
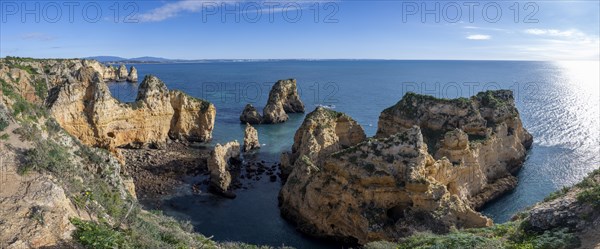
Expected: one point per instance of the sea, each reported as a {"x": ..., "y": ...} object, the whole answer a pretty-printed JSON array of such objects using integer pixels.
[{"x": 558, "y": 102}]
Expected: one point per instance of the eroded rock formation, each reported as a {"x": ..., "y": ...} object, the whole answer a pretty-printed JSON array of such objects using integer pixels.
[
  {"x": 323, "y": 131},
  {"x": 85, "y": 108},
  {"x": 133, "y": 75},
  {"x": 283, "y": 99},
  {"x": 250, "y": 138},
  {"x": 484, "y": 134},
  {"x": 250, "y": 115},
  {"x": 431, "y": 164},
  {"x": 122, "y": 73},
  {"x": 194, "y": 118},
  {"x": 218, "y": 165}
]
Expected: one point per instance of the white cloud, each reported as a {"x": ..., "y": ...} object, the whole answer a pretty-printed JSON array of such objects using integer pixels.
[
  {"x": 173, "y": 9},
  {"x": 479, "y": 37},
  {"x": 554, "y": 32},
  {"x": 37, "y": 36},
  {"x": 556, "y": 44}
]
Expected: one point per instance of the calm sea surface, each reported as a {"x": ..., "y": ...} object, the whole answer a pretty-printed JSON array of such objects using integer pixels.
[{"x": 558, "y": 101}]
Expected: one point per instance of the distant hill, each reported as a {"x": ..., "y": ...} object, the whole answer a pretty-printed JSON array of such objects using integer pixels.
[
  {"x": 106, "y": 58},
  {"x": 116, "y": 59}
]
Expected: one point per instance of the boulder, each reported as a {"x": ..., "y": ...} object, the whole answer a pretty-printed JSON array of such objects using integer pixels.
[
  {"x": 283, "y": 99},
  {"x": 250, "y": 138},
  {"x": 250, "y": 115}
]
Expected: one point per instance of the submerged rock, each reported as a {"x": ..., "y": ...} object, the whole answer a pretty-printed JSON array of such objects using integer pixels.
[
  {"x": 250, "y": 138},
  {"x": 283, "y": 99},
  {"x": 250, "y": 115},
  {"x": 431, "y": 164},
  {"x": 133, "y": 76},
  {"x": 218, "y": 165}
]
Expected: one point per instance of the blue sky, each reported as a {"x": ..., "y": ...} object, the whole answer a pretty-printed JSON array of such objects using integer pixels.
[{"x": 540, "y": 30}]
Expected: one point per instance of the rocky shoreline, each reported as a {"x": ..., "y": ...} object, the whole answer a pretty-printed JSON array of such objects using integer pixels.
[{"x": 431, "y": 165}]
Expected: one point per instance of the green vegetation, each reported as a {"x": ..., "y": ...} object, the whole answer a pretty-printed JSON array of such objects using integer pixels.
[
  {"x": 557, "y": 194},
  {"x": 41, "y": 89},
  {"x": 98, "y": 235},
  {"x": 508, "y": 235},
  {"x": 21, "y": 105},
  {"x": 489, "y": 99},
  {"x": 3, "y": 124},
  {"x": 591, "y": 196},
  {"x": 4, "y": 136},
  {"x": 411, "y": 102},
  {"x": 46, "y": 155},
  {"x": 590, "y": 189}
]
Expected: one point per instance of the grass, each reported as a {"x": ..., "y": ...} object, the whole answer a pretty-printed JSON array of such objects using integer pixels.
[
  {"x": 98, "y": 235},
  {"x": 557, "y": 194},
  {"x": 3, "y": 124},
  {"x": 508, "y": 235},
  {"x": 21, "y": 106},
  {"x": 46, "y": 156},
  {"x": 590, "y": 195}
]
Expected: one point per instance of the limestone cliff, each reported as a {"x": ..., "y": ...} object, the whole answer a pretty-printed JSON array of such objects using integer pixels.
[
  {"x": 283, "y": 99},
  {"x": 194, "y": 119},
  {"x": 218, "y": 165},
  {"x": 85, "y": 108},
  {"x": 323, "y": 131},
  {"x": 483, "y": 134},
  {"x": 423, "y": 171}
]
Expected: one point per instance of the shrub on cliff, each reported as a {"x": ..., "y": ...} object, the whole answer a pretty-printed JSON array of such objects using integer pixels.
[{"x": 46, "y": 155}]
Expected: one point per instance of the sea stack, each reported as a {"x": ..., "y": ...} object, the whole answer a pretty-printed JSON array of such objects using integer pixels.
[
  {"x": 250, "y": 138},
  {"x": 250, "y": 115},
  {"x": 432, "y": 163},
  {"x": 283, "y": 99},
  {"x": 218, "y": 165},
  {"x": 133, "y": 76},
  {"x": 122, "y": 73}
]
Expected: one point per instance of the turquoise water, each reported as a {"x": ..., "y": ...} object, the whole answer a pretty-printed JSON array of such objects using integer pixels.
[{"x": 558, "y": 103}]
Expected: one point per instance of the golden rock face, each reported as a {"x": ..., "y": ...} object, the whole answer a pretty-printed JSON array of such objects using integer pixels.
[
  {"x": 86, "y": 109},
  {"x": 431, "y": 164}
]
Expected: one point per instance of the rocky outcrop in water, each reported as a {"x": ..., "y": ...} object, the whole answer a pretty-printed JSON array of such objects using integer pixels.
[
  {"x": 283, "y": 99},
  {"x": 218, "y": 165},
  {"x": 250, "y": 115},
  {"x": 323, "y": 131},
  {"x": 431, "y": 164},
  {"x": 133, "y": 75},
  {"x": 483, "y": 134},
  {"x": 250, "y": 138},
  {"x": 193, "y": 120},
  {"x": 85, "y": 108},
  {"x": 122, "y": 73}
]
